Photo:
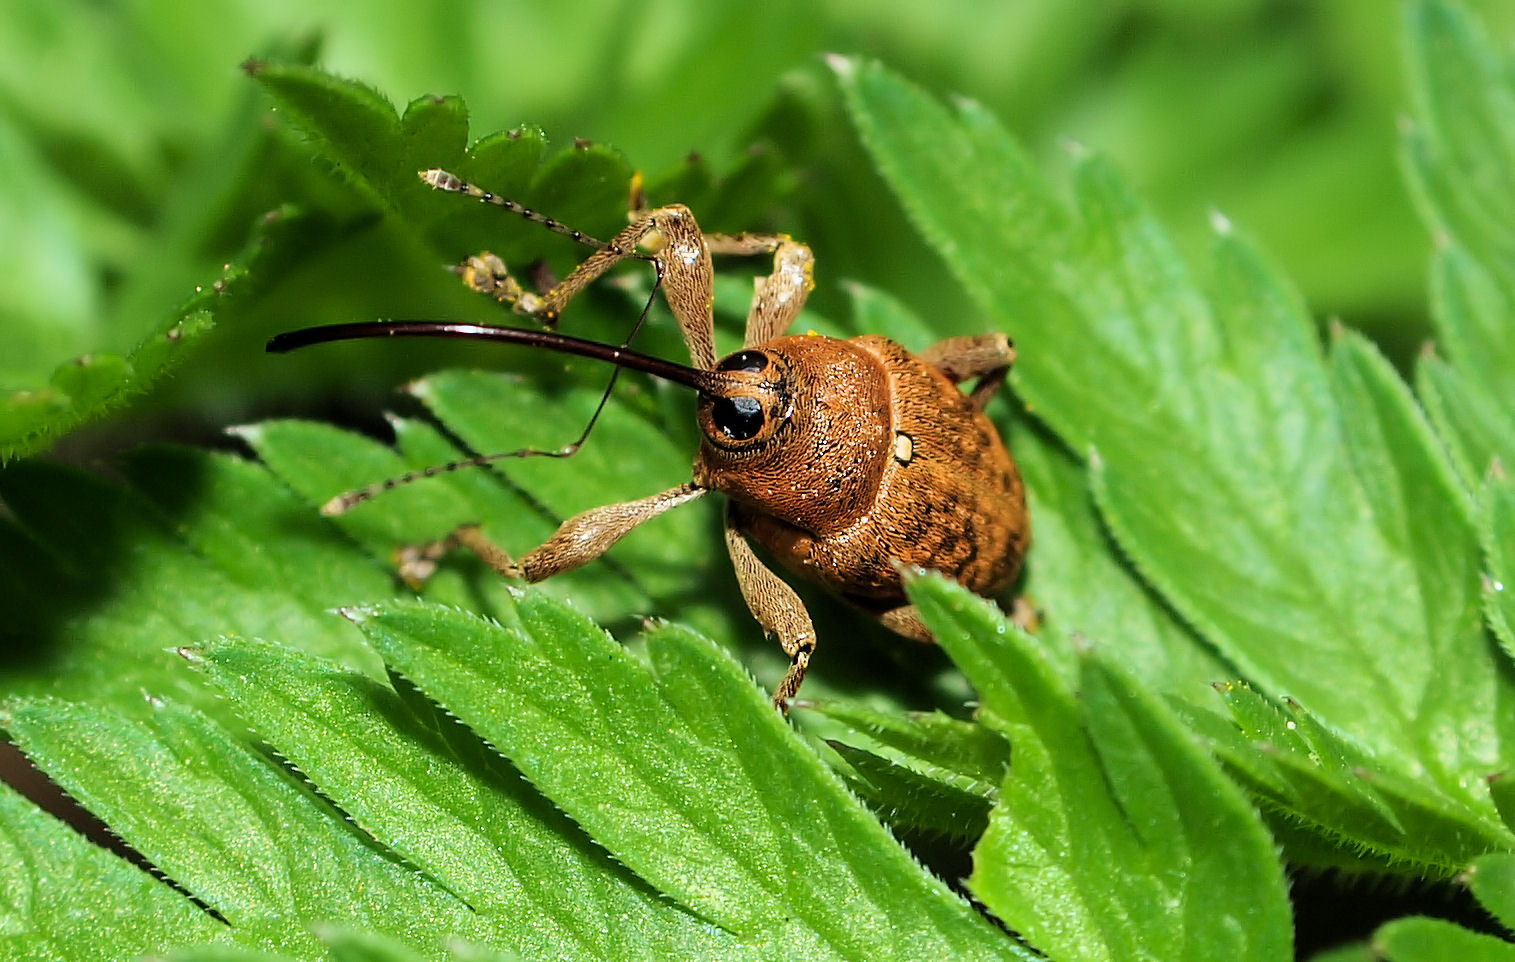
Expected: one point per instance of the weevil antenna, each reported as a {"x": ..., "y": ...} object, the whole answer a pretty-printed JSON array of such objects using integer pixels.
[{"x": 705, "y": 382}]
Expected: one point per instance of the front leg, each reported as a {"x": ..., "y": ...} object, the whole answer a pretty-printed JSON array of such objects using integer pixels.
[
  {"x": 778, "y": 298},
  {"x": 775, "y": 606},
  {"x": 670, "y": 233}
]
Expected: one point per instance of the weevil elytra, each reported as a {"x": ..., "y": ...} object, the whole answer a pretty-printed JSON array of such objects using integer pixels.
[{"x": 843, "y": 459}]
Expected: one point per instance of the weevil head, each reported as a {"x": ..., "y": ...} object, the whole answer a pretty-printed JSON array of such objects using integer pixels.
[
  {"x": 797, "y": 428},
  {"x": 755, "y": 399}
]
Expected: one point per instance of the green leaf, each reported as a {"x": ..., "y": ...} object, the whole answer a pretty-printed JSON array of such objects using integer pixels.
[
  {"x": 1221, "y": 448},
  {"x": 1459, "y": 154},
  {"x": 1425, "y": 515},
  {"x": 629, "y": 457},
  {"x": 1420, "y": 939},
  {"x": 1468, "y": 399},
  {"x": 1107, "y": 778},
  {"x": 662, "y": 765},
  {"x": 918, "y": 770},
  {"x": 380, "y": 152},
  {"x": 1308, "y": 777},
  {"x": 1464, "y": 112},
  {"x": 921, "y": 770},
  {"x": 907, "y": 798},
  {"x": 1498, "y": 529},
  {"x": 1081, "y": 586},
  {"x": 356, "y": 128},
  {"x": 930, "y": 741},
  {"x": 67, "y": 898},
  {"x": 1351, "y": 952},
  {"x": 1492, "y": 879},
  {"x": 231, "y": 828},
  {"x": 447, "y": 805},
  {"x": 106, "y": 578},
  {"x": 85, "y": 388},
  {"x": 228, "y": 953},
  {"x": 97, "y": 309},
  {"x": 350, "y": 945}
]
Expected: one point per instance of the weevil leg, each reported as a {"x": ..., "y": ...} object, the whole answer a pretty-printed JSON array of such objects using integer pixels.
[
  {"x": 778, "y": 298},
  {"x": 578, "y": 541},
  {"x": 775, "y": 606},
  {"x": 487, "y": 274},
  {"x": 985, "y": 356},
  {"x": 584, "y": 537},
  {"x": 678, "y": 248},
  {"x": 906, "y": 621},
  {"x": 683, "y": 260}
]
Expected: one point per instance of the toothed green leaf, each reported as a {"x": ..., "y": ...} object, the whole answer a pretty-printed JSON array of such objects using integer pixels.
[
  {"x": 415, "y": 780},
  {"x": 1295, "y": 509},
  {"x": 45, "y": 867},
  {"x": 1420, "y": 939},
  {"x": 233, "y": 829},
  {"x": 1106, "y": 777},
  {"x": 906, "y": 797},
  {"x": 1459, "y": 153},
  {"x": 1498, "y": 529},
  {"x": 658, "y": 763}
]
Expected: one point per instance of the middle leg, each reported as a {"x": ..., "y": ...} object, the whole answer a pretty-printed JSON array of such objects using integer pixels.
[{"x": 578, "y": 541}]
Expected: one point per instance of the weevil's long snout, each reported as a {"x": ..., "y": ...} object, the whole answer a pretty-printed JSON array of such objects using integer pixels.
[{"x": 710, "y": 383}]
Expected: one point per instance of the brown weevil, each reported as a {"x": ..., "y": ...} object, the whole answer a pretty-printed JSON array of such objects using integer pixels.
[{"x": 844, "y": 459}]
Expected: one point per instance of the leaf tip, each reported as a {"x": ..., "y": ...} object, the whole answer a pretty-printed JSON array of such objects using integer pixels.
[
  {"x": 843, "y": 66},
  {"x": 908, "y": 573},
  {"x": 420, "y": 389},
  {"x": 252, "y": 66},
  {"x": 1076, "y": 149},
  {"x": 357, "y": 614},
  {"x": 193, "y": 655},
  {"x": 1082, "y": 647},
  {"x": 251, "y": 433}
]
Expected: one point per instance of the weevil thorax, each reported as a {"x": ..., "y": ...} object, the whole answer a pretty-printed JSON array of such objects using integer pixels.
[{"x": 799, "y": 431}]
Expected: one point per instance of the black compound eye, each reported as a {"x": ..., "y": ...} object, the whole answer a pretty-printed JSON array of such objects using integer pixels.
[
  {"x": 749, "y": 361},
  {"x": 739, "y": 418}
]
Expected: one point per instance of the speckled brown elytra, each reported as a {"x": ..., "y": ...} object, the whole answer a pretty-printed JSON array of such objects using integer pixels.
[{"x": 844, "y": 459}]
